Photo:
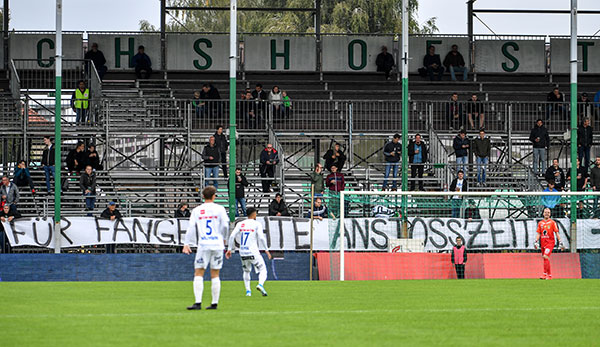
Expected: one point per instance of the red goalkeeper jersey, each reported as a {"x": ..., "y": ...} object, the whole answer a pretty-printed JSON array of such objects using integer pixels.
[{"x": 546, "y": 229}]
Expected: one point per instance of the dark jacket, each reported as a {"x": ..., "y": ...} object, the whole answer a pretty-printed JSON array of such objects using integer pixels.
[
  {"x": 10, "y": 213},
  {"x": 141, "y": 60},
  {"x": 221, "y": 142},
  {"x": 213, "y": 152},
  {"x": 454, "y": 60},
  {"x": 542, "y": 133},
  {"x": 464, "y": 254},
  {"x": 318, "y": 181},
  {"x": 318, "y": 212},
  {"x": 48, "y": 156},
  {"x": 472, "y": 213},
  {"x": 12, "y": 197},
  {"x": 260, "y": 96},
  {"x": 265, "y": 156},
  {"x": 280, "y": 207},
  {"x": 106, "y": 214},
  {"x": 431, "y": 59},
  {"x": 182, "y": 214},
  {"x": 384, "y": 62},
  {"x": 72, "y": 157},
  {"x": 390, "y": 148},
  {"x": 88, "y": 182},
  {"x": 595, "y": 177},
  {"x": 559, "y": 182},
  {"x": 212, "y": 94},
  {"x": 93, "y": 161},
  {"x": 411, "y": 151},
  {"x": 457, "y": 145},
  {"x": 465, "y": 187},
  {"x": 453, "y": 108},
  {"x": 22, "y": 175},
  {"x": 97, "y": 57},
  {"x": 338, "y": 161},
  {"x": 240, "y": 186},
  {"x": 335, "y": 181},
  {"x": 482, "y": 148},
  {"x": 552, "y": 98},
  {"x": 585, "y": 136}
]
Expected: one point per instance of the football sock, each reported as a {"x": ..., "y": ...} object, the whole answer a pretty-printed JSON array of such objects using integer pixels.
[
  {"x": 198, "y": 288},
  {"x": 247, "y": 280},
  {"x": 262, "y": 277},
  {"x": 548, "y": 267},
  {"x": 216, "y": 289}
]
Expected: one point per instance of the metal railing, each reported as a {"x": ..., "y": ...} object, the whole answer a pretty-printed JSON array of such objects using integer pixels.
[
  {"x": 41, "y": 113},
  {"x": 39, "y": 74}
]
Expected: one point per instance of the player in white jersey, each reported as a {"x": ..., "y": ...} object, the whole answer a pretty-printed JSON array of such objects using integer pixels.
[
  {"x": 209, "y": 224},
  {"x": 251, "y": 232}
]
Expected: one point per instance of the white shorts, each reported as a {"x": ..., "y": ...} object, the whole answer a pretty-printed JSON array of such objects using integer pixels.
[
  {"x": 255, "y": 260},
  {"x": 204, "y": 258}
]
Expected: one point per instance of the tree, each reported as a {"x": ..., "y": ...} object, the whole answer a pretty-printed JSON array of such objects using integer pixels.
[{"x": 337, "y": 16}]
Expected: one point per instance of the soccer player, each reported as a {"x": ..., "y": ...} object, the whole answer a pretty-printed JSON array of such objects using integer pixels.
[
  {"x": 251, "y": 234},
  {"x": 209, "y": 223},
  {"x": 546, "y": 231}
]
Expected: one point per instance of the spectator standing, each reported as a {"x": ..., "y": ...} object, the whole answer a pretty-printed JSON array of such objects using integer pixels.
[
  {"x": 455, "y": 62},
  {"x": 482, "y": 148},
  {"x": 48, "y": 161},
  {"x": 278, "y": 207},
  {"x": 557, "y": 175},
  {"x": 541, "y": 141},
  {"x": 276, "y": 101},
  {"x": 212, "y": 100},
  {"x": 392, "y": 153},
  {"x": 335, "y": 156},
  {"x": 459, "y": 184},
  {"x": 472, "y": 211},
  {"x": 142, "y": 64},
  {"x": 417, "y": 156},
  {"x": 433, "y": 64},
  {"x": 459, "y": 258},
  {"x": 287, "y": 103},
  {"x": 454, "y": 113},
  {"x": 80, "y": 103},
  {"x": 260, "y": 97},
  {"x": 183, "y": 210},
  {"x": 585, "y": 139},
  {"x": 111, "y": 212},
  {"x": 582, "y": 176},
  {"x": 248, "y": 110},
  {"x": 198, "y": 104},
  {"x": 9, "y": 193},
  {"x": 97, "y": 57},
  {"x": 595, "y": 183},
  {"x": 584, "y": 106},
  {"x": 268, "y": 161},
  {"x": 223, "y": 145},
  {"x": 23, "y": 176},
  {"x": 335, "y": 181},
  {"x": 317, "y": 180},
  {"x": 87, "y": 183},
  {"x": 475, "y": 112},
  {"x": 240, "y": 192},
  {"x": 556, "y": 101},
  {"x": 551, "y": 201},
  {"x": 92, "y": 157},
  {"x": 461, "y": 145},
  {"x": 211, "y": 156},
  {"x": 385, "y": 62}
]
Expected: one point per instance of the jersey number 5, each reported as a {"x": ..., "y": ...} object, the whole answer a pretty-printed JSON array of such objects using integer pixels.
[{"x": 208, "y": 226}]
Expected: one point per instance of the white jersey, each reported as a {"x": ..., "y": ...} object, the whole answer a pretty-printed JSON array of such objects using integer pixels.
[
  {"x": 251, "y": 232},
  {"x": 211, "y": 223}
]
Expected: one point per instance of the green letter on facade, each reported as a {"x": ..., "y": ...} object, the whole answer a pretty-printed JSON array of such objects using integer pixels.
[
  {"x": 510, "y": 57},
  {"x": 203, "y": 54},
  {"x": 363, "y": 54},
  {"x": 285, "y": 55}
]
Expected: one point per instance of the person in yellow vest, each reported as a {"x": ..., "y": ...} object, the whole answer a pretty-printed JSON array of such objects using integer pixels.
[{"x": 80, "y": 103}]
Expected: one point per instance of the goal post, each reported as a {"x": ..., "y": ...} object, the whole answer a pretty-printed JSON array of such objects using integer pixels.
[{"x": 506, "y": 219}]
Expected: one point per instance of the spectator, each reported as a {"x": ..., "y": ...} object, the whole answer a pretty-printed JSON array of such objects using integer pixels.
[
  {"x": 316, "y": 179},
  {"x": 454, "y": 113},
  {"x": 7, "y": 215},
  {"x": 240, "y": 192},
  {"x": 92, "y": 157},
  {"x": 459, "y": 184},
  {"x": 76, "y": 159},
  {"x": 335, "y": 156},
  {"x": 541, "y": 141},
  {"x": 392, "y": 153},
  {"x": 48, "y": 161},
  {"x": 595, "y": 183},
  {"x": 433, "y": 65},
  {"x": 472, "y": 211},
  {"x": 584, "y": 106},
  {"x": 183, "y": 211},
  {"x": 556, "y": 101},
  {"x": 87, "y": 183},
  {"x": 319, "y": 210},
  {"x": 97, "y": 57},
  {"x": 275, "y": 99},
  {"x": 211, "y": 156},
  {"x": 223, "y": 145},
  {"x": 455, "y": 62},
  {"x": 459, "y": 258},
  {"x": 417, "y": 156},
  {"x": 385, "y": 62},
  {"x": 80, "y": 103},
  {"x": 551, "y": 201},
  {"x": 248, "y": 110},
  {"x": 10, "y": 194},
  {"x": 278, "y": 207},
  {"x": 268, "y": 161},
  {"x": 335, "y": 180},
  {"x": 111, "y": 212},
  {"x": 475, "y": 112},
  {"x": 260, "y": 96},
  {"x": 212, "y": 103},
  {"x": 142, "y": 64},
  {"x": 287, "y": 103},
  {"x": 582, "y": 176},
  {"x": 461, "y": 145},
  {"x": 482, "y": 148},
  {"x": 198, "y": 104},
  {"x": 585, "y": 139},
  {"x": 556, "y": 174},
  {"x": 245, "y": 93},
  {"x": 23, "y": 176}
]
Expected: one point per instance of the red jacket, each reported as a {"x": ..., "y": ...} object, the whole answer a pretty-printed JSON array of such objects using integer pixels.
[{"x": 335, "y": 181}]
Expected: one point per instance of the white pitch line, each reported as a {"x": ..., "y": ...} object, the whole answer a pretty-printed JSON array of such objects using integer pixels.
[{"x": 237, "y": 313}]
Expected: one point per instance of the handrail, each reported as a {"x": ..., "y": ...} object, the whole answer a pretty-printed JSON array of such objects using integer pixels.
[{"x": 15, "y": 81}]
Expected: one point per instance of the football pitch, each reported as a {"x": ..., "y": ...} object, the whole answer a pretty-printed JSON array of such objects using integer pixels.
[{"x": 410, "y": 312}]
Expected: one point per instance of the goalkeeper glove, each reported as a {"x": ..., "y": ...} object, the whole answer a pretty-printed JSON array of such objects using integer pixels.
[
  {"x": 536, "y": 245},
  {"x": 560, "y": 244}
]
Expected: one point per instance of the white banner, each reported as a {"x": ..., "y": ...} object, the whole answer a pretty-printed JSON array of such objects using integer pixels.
[{"x": 286, "y": 233}]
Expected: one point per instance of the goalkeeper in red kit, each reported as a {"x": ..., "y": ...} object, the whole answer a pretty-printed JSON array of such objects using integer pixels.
[{"x": 547, "y": 230}]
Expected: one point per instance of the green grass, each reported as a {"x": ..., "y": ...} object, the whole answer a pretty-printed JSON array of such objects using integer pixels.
[{"x": 431, "y": 312}]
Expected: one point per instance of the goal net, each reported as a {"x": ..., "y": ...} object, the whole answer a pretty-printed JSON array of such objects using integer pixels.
[{"x": 415, "y": 235}]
